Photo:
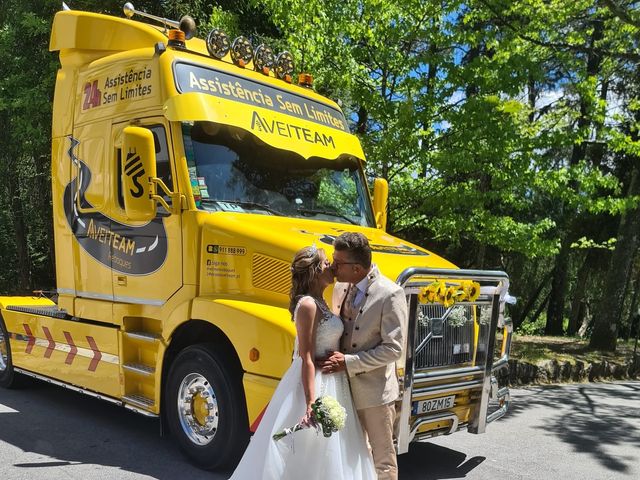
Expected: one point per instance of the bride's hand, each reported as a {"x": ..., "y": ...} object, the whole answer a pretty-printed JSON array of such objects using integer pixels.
[
  {"x": 307, "y": 420},
  {"x": 334, "y": 363}
]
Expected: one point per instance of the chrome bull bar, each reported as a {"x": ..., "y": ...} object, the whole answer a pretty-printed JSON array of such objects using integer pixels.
[{"x": 477, "y": 379}]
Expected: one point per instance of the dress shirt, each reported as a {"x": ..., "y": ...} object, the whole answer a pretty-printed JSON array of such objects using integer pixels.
[{"x": 361, "y": 288}]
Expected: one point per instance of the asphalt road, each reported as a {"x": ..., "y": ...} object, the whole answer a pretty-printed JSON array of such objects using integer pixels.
[{"x": 586, "y": 431}]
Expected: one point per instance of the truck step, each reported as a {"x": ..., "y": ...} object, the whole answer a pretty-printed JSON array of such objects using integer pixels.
[
  {"x": 144, "y": 336},
  {"x": 139, "y": 368},
  {"x": 139, "y": 400}
]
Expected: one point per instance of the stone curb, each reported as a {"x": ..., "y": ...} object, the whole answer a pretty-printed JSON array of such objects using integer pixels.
[{"x": 552, "y": 371}]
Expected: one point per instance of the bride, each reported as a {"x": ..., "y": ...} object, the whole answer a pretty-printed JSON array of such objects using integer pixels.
[{"x": 308, "y": 454}]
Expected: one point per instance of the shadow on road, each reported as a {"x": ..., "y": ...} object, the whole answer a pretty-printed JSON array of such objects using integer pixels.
[
  {"x": 67, "y": 429},
  {"x": 72, "y": 429},
  {"x": 427, "y": 461},
  {"x": 589, "y": 417}
]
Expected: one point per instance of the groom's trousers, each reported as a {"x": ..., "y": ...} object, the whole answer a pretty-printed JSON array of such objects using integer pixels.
[{"x": 378, "y": 423}]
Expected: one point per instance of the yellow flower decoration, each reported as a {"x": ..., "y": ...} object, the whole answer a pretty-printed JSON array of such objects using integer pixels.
[
  {"x": 468, "y": 291},
  {"x": 423, "y": 296},
  {"x": 460, "y": 294},
  {"x": 449, "y": 296},
  {"x": 429, "y": 294},
  {"x": 472, "y": 290}
]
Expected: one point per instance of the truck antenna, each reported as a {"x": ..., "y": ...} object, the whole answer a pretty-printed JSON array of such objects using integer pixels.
[{"x": 187, "y": 24}]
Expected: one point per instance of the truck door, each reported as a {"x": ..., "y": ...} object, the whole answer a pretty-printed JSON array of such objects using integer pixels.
[
  {"x": 86, "y": 209},
  {"x": 146, "y": 258}
]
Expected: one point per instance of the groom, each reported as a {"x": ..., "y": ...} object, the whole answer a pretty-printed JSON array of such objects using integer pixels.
[{"x": 374, "y": 312}]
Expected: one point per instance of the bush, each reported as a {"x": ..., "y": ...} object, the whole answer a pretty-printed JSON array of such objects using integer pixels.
[{"x": 533, "y": 328}]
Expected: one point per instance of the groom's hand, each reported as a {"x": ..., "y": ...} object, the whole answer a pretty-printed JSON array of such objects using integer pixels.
[{"x": 334, "y": 363}]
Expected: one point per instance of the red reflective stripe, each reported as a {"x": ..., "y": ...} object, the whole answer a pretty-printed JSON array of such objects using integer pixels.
[
  {"x": 73, "y": 349},
  {"x": 52, "y": 345},
  {"x": 254, "y": 425},
  {"x": 32, "y": 339},
  {"x": 96, "y": 354}
]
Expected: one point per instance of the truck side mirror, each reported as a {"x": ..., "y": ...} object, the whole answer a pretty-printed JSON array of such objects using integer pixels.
[
  {"x": 138, "y": 167},
  {"x": 380, "y": 202}
]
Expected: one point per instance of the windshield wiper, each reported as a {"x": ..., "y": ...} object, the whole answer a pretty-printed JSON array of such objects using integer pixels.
[
  {"x": 326, "y": 212},
  {"x": 252, "y": 205}
]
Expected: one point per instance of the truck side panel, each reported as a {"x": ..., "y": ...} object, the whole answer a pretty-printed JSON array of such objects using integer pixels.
[{"x": 74, "y": 352}]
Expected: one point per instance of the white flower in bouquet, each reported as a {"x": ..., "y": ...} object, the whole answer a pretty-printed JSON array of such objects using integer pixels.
[
  {"x": 330, "y": 414},
  {"x": 326, "y": 414}
]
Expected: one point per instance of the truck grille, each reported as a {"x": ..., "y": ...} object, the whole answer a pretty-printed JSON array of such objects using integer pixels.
[{"x": 445, "y": 336}]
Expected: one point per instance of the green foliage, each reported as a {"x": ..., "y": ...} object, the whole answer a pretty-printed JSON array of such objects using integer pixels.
[
  {"x": 533, "y": 327},
  {"x": 26, "y": 91},
  {"x": 501, "y": 126},
  {"x": 585, "y": 243}
]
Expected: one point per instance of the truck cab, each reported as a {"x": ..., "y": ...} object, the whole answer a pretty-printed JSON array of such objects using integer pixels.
[{"x": 186, "y": 173}]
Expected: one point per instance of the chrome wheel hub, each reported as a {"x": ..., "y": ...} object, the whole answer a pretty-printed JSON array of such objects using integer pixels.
[
  {"x": 4, "y": 351},
  {"x": 197, "y": 409}
]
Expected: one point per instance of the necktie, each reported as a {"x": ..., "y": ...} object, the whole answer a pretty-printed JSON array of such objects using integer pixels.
[{"x": 348, "y": 308}]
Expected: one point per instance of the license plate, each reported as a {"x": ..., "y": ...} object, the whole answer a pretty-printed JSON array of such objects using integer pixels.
[{"x": 433, "y": 405}]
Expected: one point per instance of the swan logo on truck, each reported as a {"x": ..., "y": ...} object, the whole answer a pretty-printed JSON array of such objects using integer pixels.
[{"x": 128, "y": 249}]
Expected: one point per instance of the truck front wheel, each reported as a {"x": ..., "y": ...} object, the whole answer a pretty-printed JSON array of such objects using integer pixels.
[
  {"x": 7, "y": 374},
  {"x": 205, "y": 408}
]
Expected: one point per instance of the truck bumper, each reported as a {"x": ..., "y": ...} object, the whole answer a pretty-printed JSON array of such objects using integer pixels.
[{"x": 465, "y": 396}]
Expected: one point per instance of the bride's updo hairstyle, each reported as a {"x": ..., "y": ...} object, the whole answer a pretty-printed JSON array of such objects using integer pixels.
[{"x": 304, "y": 268}]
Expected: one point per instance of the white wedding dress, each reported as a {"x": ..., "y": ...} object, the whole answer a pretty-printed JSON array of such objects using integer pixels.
[{"x": 307, "y": 454}]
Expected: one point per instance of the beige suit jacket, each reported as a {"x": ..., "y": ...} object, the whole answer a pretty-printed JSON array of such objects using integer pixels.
[{"x": 373, "y": 341}]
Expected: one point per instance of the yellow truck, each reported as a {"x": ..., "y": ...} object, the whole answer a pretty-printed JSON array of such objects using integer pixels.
[{"x": 185, "y": 174}]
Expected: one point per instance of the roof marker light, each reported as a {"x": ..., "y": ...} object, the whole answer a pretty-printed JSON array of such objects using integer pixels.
[
  {"x": 305, "y": 80},
  {"x": 176, "y": 38},
  {"x": 241, "y": 51},
  {"x": 284, "y": 66},
  {"x": 218, "y": 43},
  {"x": 263, "y": 59}
]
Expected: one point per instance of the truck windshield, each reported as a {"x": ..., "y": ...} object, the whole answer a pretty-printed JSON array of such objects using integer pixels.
[{"x": 232, "y": 170}]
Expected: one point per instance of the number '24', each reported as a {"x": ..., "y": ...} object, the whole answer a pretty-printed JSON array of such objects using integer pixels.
[{"x": 91, "y": 95}]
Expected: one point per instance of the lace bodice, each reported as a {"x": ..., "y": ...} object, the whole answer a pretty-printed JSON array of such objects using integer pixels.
[{"x": 328, "y": 333}]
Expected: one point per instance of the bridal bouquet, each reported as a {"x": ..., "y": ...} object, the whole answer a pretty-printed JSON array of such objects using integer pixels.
[{"x": 326, "y": 414}]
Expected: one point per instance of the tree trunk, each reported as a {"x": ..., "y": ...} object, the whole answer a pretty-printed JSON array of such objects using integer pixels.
[
  {"x": 578, "y": 293},
  {"x": 555, "y": 309},
  {"x": 532, "y": 95},
  {"x": 609, "y": 309},
  {"x": 522, "y": 316},
  {"x": 44, "y": 205},
  {"x": 540, "y": 308},
  {"x": 430, "y": 81},
  {"x": 585, "y": 319},
  {"x": 20, "y": 237},
  {"x": 363, "y": 118},
  {"x": 633, "y": 310}
]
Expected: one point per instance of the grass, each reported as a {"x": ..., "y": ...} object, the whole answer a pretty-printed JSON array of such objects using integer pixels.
[{"x": 535, "y": 349}]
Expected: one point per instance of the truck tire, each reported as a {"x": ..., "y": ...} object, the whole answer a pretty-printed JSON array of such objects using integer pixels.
[
  {"x": 7, "y": 374},
  {"x": 205, "y": 408}
]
